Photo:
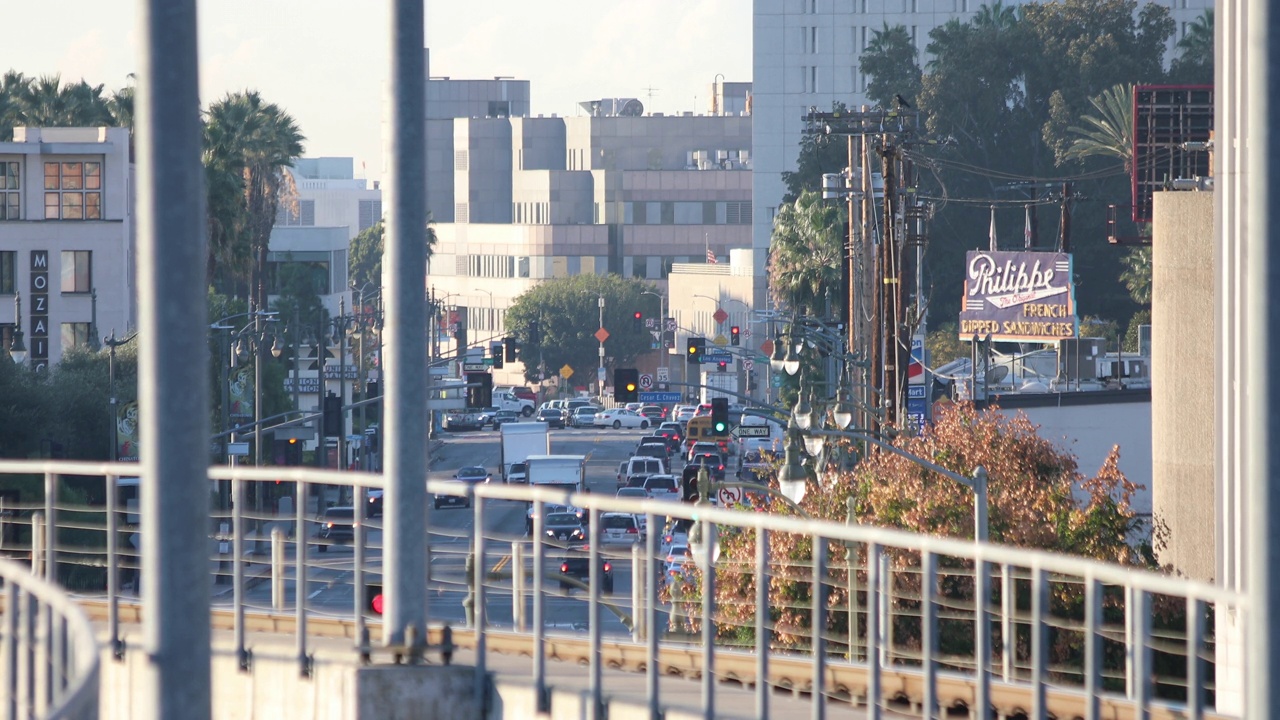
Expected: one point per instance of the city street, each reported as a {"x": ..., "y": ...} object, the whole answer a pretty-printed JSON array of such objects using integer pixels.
[{"x": 330, "y": 573}]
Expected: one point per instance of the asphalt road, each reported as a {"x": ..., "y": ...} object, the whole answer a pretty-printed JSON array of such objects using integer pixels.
[{"x": 451, "y": 533}]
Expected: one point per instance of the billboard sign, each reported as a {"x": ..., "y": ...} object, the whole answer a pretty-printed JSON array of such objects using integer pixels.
[{"x": 1018, "y": 295}]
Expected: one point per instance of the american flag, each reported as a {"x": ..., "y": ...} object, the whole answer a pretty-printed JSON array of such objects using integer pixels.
[{"x": 711, "y": 257}]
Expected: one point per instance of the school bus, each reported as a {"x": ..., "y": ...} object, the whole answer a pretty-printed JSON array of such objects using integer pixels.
[{"x": 699, "y": 430}]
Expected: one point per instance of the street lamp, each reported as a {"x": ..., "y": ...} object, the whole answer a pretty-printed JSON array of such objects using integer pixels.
[
  {"x": 112, "y": 343},
  {"x": 491, "y": 326},
  {"x": 17, "y": 350}
]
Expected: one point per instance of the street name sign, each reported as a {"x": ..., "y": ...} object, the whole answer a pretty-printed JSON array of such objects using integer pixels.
[{"x": 660, "y": 397}]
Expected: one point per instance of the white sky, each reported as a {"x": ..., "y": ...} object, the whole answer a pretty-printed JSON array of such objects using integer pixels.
[{"x": 325, "y": 61}]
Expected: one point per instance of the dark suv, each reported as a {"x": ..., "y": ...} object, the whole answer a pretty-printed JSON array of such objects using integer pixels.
[
  {"x": 337, "y": 527},
  {"x": 576, "y": 564}
]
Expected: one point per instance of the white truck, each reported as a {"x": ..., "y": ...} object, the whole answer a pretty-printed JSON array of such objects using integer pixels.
[
  {"x": 713, "y": 382},
  {"x": 509, "y": 401},
  {"x": 519, "y": 442},
  {"x": 562, "y": 472}
]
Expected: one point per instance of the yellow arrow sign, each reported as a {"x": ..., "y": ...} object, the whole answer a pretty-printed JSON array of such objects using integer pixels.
[{"x": 566, "y": 371}]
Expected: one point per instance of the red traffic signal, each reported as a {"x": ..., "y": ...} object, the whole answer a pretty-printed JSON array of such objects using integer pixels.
[
  {"x": 637, "y": 320},
  {"x": 735, "y": 335},
  {"x": 373, "y": 599}
]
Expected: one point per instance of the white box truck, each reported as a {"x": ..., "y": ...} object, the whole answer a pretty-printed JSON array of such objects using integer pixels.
[
  {"x": 521, "y": 440},
  {"x": 563, "y": 472}
]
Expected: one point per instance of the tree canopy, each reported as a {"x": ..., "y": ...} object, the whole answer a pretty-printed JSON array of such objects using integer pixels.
[
  {"x": 806, "y": 255},
  {"x": 566, "y": 312},
  {"x": 46, "y": 101}
]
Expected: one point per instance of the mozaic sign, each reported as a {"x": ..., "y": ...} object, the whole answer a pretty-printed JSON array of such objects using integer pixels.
[{"x": 1023, "y": 296}]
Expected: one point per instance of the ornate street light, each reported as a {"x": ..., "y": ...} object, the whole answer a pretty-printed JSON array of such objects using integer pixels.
[
  {"x": 793, "y": 477},
  {"x": 842, "y": 413},
  {"x": 17, "y": 350},
  {"x": 779, "y": 356},
  {"x": 802, "y": 413}
]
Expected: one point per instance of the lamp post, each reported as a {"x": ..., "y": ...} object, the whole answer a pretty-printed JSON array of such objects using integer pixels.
[
  {"x": 17, "y": 350},
  {"x": 662, "y": 330},
  {"x": 112, "y": 343},
  {"x": 600, "y": 370}
]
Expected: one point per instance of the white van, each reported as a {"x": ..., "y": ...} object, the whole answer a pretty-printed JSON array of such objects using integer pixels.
[{"x": 640, "y": 467}]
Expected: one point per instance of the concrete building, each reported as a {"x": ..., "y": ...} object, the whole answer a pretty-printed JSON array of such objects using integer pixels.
[
  {"x": 66, "y": 219},
  {"x": 805, "y": 54},
  {"x": 541, "y": 198}
]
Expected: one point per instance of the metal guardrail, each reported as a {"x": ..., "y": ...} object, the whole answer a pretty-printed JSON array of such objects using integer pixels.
[
  {"x": 902, "y": 618},
  {"x": 48, "y": 653}
]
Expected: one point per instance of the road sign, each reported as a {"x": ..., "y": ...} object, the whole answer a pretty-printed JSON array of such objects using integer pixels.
[
  {"x": 747, "y": 364},
  {"x": 671, "y": 325},
  {"x": 916, "y": 391},
  {"x": 730, "y": 496},
  {"x": 716, "y": 357},
  {"x": 753, "y": 431},
  {"x": 566, "y": 371},
  {"x": 600, "y": 375},
  {"x": 659, "y": 397},
  {"x": 721, "y": 340},
  {"x": 720, "y": 315},
  {"x": 766, "y": 347},
  {"x": 664, "y": 375},
  {"x": 602, "y": 335},
  {"x": 646, "y": 381},
  {"x": 238, "y": 448},
  {"x": 474, "y": 367}
]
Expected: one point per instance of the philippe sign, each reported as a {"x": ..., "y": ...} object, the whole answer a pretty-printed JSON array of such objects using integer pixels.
[{"x": 1023, "y": 296}]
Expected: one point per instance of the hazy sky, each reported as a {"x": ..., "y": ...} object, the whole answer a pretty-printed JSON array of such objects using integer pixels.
[{"x": 325, "y": 61}]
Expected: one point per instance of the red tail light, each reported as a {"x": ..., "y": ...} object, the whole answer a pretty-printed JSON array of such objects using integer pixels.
[
  {"x": 632, "y": 531},
  {"x": 564, "y": 568}
]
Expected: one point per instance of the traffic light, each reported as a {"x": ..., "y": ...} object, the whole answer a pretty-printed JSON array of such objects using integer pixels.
[
  {"x": 689, "y": 483},
  {"x": 637, "y": 321},
  {"x": 332, "y": 416},
  {"x": 735, "y": 335},
  {"x": 479, "y": 390},
  {"x": 693, "y": 350},
  {"x": 293, "y": 452},
  {"x": 535, "y": 333},
  {"x": 626, "y": 385},
  {"x": 510, "y": 345},
  {"x": 373, "y": 599},
  {"x": 495, "y": 351},
  {"x": 720, "y": 416}
]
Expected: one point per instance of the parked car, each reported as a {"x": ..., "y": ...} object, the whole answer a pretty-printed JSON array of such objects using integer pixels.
[
  {"x": 337, "y": 526},
  {"x": 503, "y": 417},
  {"x": 619, "y": 529},
  {"x": 653, "y": 412},
  {"x": 662, "y": 487},
  {"x": 553, "y": 417},
  {"x": 577, "y": 565},
  {"x": 565, "y": 527},
  {"x": 583, "y": 416},
  {"x": 620, "y": 418}
]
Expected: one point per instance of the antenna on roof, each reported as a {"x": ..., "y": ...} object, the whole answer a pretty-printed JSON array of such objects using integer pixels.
[{"x": 649, "y": 93}]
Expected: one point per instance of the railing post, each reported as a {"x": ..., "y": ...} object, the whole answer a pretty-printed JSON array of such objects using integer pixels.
[
  {"x": 1008, "y": 603},
  {"x": 637, "y": 593},
  {"x": 51, "y": 527},
  {"x": 517, "y": 585},
  {"x": 358, "y": 540},
  {"x": 886, "y": 599},
  {"x": 1142, "y": 667},
  {"x": 478, "y": 611},
  {"x": 539, "y": 617},
  {"x": 9, "y": 651},
  {"x": 277, "y": 569},
  {"x": 1092, "y": 647},
  {"x": 763, "y": 644},
  {"x": 929, "y": 632},
  {"x": 593, "y": 615},
  {"x": 875, "y": 659},
  {"x": 708, "y": 616},
  {"x": 651, "y": 612},
  {"x": 37, "y": 544},
  {"x": 819, "y": 623},
  {"x": 1039, "y": 641},
  {"x": 237, "y": 572},
  {"x": 982, "y": 639},
  {"x": 113, "y": 570},
  {"x": 300, "y": 583},
  {"x": 1195, "y": 667}
]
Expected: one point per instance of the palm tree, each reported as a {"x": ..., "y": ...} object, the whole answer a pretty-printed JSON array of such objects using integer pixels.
[
  {"x": 806, "y": 254},
  {"x": 256, "y": 141},
  {"x": 1136, "y": 275},
  {"x": 13, "y": 86},
  {"x": 996, "y": 16},
  {"x": 1194, "y": 64},
  {"x": 1110, "y": 132},
  {"x": 46, "y": 102}
]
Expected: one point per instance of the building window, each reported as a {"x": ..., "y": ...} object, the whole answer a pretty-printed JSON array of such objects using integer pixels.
[
  {"x": 8, "y": 272},
  {"x": 300, "y": 213},
  {"x": 73, "y": 190},
  {"x": 75, "y": 335},
  {"x": 370, "y": 214},
  {"x": 10, "y": 198},
  {"x": 77, "y": 274}
]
